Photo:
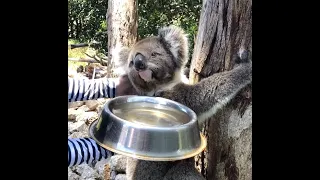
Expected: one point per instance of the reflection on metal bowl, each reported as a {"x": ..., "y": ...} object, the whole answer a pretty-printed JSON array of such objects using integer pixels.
[{"x": 148, "y": 128}]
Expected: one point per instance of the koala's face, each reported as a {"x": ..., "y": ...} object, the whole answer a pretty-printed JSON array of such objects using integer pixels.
[
  {"x": 155, "y": 62},
  {"x": 150, "y": 64}
]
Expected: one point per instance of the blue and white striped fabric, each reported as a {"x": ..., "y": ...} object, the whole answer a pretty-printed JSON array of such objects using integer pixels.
[
  {"x": 81, "y": 89},
  {"x": 86, "y": 150}
]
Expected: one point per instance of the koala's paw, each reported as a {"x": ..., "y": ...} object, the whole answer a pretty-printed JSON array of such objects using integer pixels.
[
  {"x": 243, "y": 56},
  {"x": 168, "y": 94},
  {"x": 176, "y": 93},
  {"x": 159, "y": 93}
]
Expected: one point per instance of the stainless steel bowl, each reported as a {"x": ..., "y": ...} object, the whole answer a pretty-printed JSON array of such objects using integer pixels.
[{"x": 148, "y": 128}]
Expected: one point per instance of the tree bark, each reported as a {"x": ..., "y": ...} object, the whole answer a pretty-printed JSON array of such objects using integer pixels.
[
  {"x": 225, "y": 26},
  {"x": 122, "y": 25}
]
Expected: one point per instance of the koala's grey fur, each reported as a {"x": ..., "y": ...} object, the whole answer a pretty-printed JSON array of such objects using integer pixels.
[
  {"x": 165, "y": 56},
  {"x": 212, "y": 93}
]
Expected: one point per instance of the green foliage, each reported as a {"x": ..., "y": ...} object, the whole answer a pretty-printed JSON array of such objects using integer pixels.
[
  {"x": 154, "y": 14},
  {"x": 87, "y": 21},
  {"x": 87, "y": 18}
]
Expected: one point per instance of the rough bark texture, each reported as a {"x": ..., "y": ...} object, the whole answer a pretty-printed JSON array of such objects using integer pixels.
[
  {"x": 225, "y": 26},
  {"x": 122, "y": 25}
]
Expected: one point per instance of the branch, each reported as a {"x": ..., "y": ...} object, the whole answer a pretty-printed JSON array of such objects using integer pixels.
[
  {"x": 101, "y": 60},
  {"x": 89, "y": 60},
  {"x": 72, "y": 46}
]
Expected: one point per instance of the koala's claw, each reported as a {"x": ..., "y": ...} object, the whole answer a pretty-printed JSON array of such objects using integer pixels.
[
  {"x": 165, "y": 94},
  {"x": 159, "y": 93},
  {"x": 242, "y": 56}
]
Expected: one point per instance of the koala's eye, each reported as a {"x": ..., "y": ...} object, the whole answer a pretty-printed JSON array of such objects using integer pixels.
[
  {"x": 154, "y": 54},
  {"x": 131, "y": 63}
]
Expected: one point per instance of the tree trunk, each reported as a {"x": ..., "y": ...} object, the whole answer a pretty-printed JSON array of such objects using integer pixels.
[
  {"x": 77, "y": 29},
  {"x": 122, "y": 25},
  {"x": 224, "y": 28}
]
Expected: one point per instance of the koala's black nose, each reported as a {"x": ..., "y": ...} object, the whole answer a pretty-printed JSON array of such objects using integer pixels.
[{"x": 139, "y": 62}]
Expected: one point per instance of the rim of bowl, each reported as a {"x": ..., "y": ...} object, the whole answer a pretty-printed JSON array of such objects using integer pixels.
[{"x": 192, "y": 115}]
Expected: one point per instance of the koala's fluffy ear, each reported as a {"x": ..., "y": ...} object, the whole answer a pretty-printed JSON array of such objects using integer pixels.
[
  {"x": 120, "y": 55},
  {"x": 176, "y": 41}
]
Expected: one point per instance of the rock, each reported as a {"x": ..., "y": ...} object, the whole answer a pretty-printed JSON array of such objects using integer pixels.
[
  {"x": 121, "y": 177},
  {"x": 73, "y": 113},
  {"x": 72, "y": 175},
  {"x": 84, "y": 108},
  {"x": 102, "y": 101},
  {"x": 118, "y": 163},
  {"x": 79, "y": 126},
  {"x": 75, "y": 104},
  {"x": 90, "y": 179},
  {"x": 86, "y": 116},
  {"x": 103, "y": 73},
  {"x": 183, "y": 171},
  {"x": 80, "y": 69},
  {"x": 81, "y": 123},
  {"x": 113, "y": 175},
  {"x": 92, "y": 104},
  {"x": 97, "y": 76},
  {"x": 87, "y": 172},
  {"x": 99, "y": 109},
  {"x": 80, "y": 134},
  {"x": 100, "y": 166},
  {"x": 107, "y": 172}
]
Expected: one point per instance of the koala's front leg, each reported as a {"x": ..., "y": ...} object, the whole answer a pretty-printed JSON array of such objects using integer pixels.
[{"x": 211, "y": 93}]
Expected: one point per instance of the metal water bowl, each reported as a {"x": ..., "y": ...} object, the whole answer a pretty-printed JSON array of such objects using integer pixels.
[{"x": 148, "y": 128}]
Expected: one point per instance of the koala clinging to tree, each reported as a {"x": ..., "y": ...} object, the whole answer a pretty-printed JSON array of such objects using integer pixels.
[{"x": 154, "y": 67}]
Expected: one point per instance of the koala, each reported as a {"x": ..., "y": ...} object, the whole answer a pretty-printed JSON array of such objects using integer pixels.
[
  {"x": 155, "y": 67},
  {"x": 155, "y": 63}
]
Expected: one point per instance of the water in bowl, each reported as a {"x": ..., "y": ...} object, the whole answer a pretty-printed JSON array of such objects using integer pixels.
[{"x": 146, "y": 114}]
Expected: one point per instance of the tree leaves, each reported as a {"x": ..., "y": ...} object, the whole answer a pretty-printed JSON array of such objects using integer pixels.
[{"x": 87, "y": 18}]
